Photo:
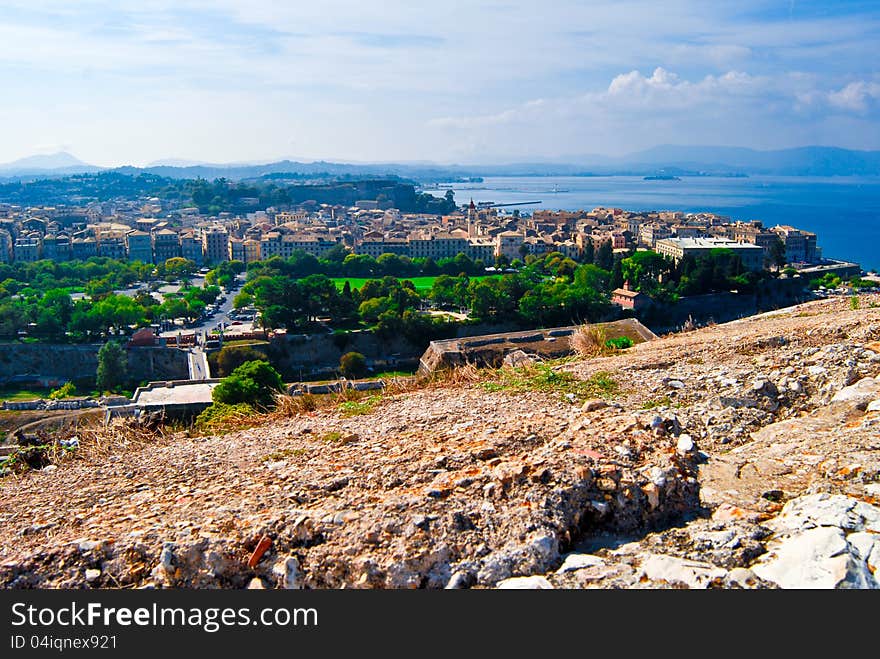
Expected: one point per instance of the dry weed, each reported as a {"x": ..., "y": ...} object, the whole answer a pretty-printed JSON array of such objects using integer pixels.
[
  {"x": 589, "y": 341},
  {"x": 122, "y": 434}
]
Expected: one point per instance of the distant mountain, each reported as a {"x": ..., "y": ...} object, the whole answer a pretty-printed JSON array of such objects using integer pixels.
[
  {"x": 177, "y": 162},
  {"x": 55, "y": 163},
  {"x": 668, "y": 160},
  {"x": 803, "y": 161}
]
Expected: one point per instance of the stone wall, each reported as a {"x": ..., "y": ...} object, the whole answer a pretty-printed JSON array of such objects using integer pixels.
[
  {"x": 310, "y": 356},
  {"x": 53, "y": 364},
  {"x": 490, "y": 349},
  {"x": 724, "y": 307}
]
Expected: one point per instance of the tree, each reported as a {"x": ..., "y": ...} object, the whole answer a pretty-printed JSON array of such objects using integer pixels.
[
  {"x": 231, "y": 357},
  {"x": 643, "y": 270},
  {"x": 589, "y": 251},
  {"x": 112, "y": 366},
  {"x": 179, "y": 268},
  {"x": 255, "y": 383},
  {"x": 605, "y": 255},
  {"x": 336, "y": 254},
  {"x": 777, "y": 253},
  {"x": 353, "y": 364}
]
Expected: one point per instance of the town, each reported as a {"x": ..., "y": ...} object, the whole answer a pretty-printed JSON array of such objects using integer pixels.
[{"x": 151, "y": 230}]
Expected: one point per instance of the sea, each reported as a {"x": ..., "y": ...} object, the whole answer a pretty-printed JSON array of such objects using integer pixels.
[{"x": 844, "y": 212}]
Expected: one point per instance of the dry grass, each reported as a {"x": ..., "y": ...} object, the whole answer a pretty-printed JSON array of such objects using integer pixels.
[
  {"x": 589, "y": 341},
  {"x": 467, "y": 373},
  {"x": 287, "y": 405},
  {"x": 97, "y": 441}
]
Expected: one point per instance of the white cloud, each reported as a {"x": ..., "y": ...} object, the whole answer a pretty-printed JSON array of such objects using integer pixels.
[
  {"x": 661, "y": 91},
  {"x": 855, "y": 96}
]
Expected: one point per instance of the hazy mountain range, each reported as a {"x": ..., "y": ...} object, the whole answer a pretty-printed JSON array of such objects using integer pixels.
[{"x": 667, "y": 159}]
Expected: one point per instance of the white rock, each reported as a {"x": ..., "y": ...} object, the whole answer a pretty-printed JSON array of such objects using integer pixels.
[
  {"x": 675, "y": 384},
  {"x": 742, "y": 577},
  {"x": 834, "y": 510},
  {"x": 525, "y": 583},
  {"x": 256, "y": 584},
  {"x": 858, "y": 395},
  {"x": 288, "y": 573},
  {"x": 817, "y": 370},
  {"x": 874, "y": 406},
  {"x": 579, "y": 561},
  {"x": 685, "y": 444},
  {"x": 818, "y": 558},
  {"x": 92, "y": 575},
  {"x": 866, "y": 547},
  {"x": 659, "y": 567}
]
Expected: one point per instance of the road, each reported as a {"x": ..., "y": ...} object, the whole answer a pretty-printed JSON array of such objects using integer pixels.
[
  {"x": 208, "y": 324},
  {"x": 198, "y": 364}
]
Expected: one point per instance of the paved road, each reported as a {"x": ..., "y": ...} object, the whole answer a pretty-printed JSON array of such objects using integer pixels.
[
  {"x": 198, "y": 364},
  {"x": 222, "y": 316}
]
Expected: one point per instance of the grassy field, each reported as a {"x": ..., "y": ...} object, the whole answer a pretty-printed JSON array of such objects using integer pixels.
[
  {"x": 23, "y": 394},
  {"x": 422, "y": 284}
]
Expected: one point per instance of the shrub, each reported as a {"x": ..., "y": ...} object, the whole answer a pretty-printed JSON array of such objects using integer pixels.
[
  {"x": 255, "y": 383},
  {"x": 222, "y": 416},
  {"x": 112, "y": 366},
  {"x": 620, "y": 343},
  {"x": 589, "y": 341},
  {"x": 231, "y": 357},
  {"x": 64, "y": 391},
  {"x": 353, "y": 365}
]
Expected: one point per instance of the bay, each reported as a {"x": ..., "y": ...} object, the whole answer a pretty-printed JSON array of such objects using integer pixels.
[{"x": 844, "y": 212}]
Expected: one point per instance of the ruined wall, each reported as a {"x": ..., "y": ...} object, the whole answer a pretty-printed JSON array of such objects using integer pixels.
[
  {"x": 54, "y": 364},
  {"x": 490, "y": 349},
  {"x": 724, "y": 307},
  {"x": 304, "y": 356}
]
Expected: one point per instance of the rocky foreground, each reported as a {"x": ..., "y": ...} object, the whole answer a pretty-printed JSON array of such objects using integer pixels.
[{"x": 744, "y": 455}]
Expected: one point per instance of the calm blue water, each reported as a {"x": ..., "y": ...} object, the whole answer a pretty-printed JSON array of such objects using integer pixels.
[{"x": 844, "y": 212}]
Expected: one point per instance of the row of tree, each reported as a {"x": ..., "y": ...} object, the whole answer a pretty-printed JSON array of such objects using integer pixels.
[
  {"x": 54, "y": 316},
  {"x": 223, "y": 195}
]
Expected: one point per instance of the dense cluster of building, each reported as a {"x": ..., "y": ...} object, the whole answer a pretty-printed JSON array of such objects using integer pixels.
[{"x": 152, "y": 232}]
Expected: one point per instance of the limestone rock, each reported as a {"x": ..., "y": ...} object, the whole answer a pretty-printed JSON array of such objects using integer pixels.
[
  {"x": 818, "y": 558},
  {"x": 518, "y": 359},
  {"x": 574, "y": 562},
  {"x": 858, "y": 395},
  {"x": 594, "y": 404},
  {"x": 694, "y": 574},
  {"x": 835, "y": 510},
  {"x": 288, "y": 573},
  {"x": 525, "y": 583}
]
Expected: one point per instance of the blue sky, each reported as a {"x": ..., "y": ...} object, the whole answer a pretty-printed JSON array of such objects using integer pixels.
[{"x": 126, "y": 82}]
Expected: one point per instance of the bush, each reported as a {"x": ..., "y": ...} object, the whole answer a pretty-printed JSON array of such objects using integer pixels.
[
  {"x": 589, "y": 341},
  {"x": 221, "y": 416},
  {"x": 112, "y": 367},
  {"x": 231, "y": 357},
  {"x": 353, "y": 365},
  {"x": 255, "y": 383},
  {"x": 620, "y": 343},
  {"x": 66, "y": 390}
]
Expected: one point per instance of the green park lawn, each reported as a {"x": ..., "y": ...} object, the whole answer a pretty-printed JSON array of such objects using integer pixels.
[
  {"x": 422, "y": 284},
  {"x": 9, "y": 393}
]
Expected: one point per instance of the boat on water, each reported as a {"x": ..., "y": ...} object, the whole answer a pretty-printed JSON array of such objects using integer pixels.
[{"x": 661, "y": 177}]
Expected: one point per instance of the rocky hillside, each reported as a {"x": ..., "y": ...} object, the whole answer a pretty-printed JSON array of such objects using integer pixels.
[{"x": 740, "y": 455}]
